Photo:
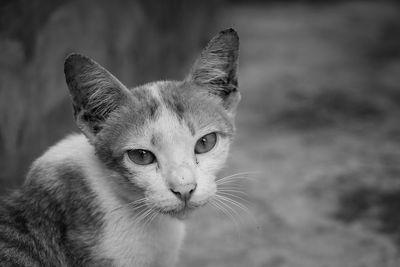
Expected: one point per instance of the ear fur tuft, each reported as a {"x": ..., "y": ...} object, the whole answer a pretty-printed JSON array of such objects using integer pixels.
[
  {"x": 216, "y": 67},
  {"x": 95, "y": 92}
]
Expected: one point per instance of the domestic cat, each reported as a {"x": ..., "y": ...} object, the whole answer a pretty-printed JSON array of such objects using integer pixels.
[{"x": 118, "y": 193}]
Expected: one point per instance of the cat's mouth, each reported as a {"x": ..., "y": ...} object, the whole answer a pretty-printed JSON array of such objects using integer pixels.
[{"x": 181, "y": 212}]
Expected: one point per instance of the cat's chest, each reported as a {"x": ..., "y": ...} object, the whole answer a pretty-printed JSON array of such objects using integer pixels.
[{"x": 130, "y": 244}]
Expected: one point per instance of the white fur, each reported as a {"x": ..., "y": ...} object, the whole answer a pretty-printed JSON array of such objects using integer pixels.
[{"x": 127, "y": 243}]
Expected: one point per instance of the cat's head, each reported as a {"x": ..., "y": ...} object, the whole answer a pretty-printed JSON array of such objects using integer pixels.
[{"x": 166, "y": 139}]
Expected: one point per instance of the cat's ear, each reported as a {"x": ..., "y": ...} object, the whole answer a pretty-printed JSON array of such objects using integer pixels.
[
  {"x": 95, "y": 92},
  {"x": 216, "y": 68}
]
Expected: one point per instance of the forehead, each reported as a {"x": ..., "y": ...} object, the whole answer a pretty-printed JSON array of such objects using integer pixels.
[
  {"x": 172, "y": 102},
  {"x": 166, "y": 110}
]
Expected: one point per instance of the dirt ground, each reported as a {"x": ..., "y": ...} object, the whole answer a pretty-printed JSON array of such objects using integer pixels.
[{"x": 318, "y": 121}]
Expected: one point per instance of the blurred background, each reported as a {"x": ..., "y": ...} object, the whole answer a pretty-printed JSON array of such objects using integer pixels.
[{"x": 319, "y": 120}]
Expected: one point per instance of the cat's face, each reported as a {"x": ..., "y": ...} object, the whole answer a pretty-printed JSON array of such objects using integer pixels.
[
  {"x": 171, "y": 148},
  {"x": 167, "y": 140}
]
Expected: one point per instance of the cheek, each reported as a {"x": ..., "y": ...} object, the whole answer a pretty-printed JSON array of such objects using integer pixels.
[
  {"x": 146, "y": 177},
  {"x": 154, "y": 187},
  {"x": 206, "y": 187},
  {"x": 210, "y": 163}
]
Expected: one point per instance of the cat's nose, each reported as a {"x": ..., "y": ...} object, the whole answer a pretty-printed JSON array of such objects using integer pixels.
[{"x": 184, "y": 192}]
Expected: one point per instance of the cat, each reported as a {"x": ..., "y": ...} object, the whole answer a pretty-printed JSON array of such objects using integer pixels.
[{"x": 118, "y": 193}]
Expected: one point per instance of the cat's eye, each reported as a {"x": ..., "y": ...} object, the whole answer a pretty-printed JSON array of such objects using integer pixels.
[
  {"x": 141, "y": 156},
  {"x": 206, "y": 143}
]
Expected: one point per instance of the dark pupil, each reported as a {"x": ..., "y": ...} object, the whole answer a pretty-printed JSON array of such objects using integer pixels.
[
  {"x": 204, "y": 140},
  {"x": 144, "y": 155}
]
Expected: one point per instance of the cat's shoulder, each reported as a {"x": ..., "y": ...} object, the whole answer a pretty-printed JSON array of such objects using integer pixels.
[
  {"x": 74, "y": 152},
  {"x": 72, "y": 146}
]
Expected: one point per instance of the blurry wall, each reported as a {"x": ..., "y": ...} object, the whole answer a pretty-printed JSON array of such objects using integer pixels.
[{"x": 138, "y": 41}]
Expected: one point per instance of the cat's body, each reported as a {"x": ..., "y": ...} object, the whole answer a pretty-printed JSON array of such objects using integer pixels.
[
  {"x": 116, "y": 194},
  {"x": 66, "y": 187}
]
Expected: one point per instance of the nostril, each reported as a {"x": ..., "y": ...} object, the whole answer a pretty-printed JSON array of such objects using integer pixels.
[
  {"x": 178, "y": 194},
  {"x": 191, "y": 191}
]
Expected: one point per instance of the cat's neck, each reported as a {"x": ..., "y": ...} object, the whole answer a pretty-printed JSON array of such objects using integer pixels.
[
  {"x": 122, "y": 238},
  {"x": 157, "y": 243}
]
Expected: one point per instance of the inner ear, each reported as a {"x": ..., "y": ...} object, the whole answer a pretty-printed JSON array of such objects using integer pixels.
[
  {"x": 95, "y": 92},
  {"x": 216, "y": 67}
]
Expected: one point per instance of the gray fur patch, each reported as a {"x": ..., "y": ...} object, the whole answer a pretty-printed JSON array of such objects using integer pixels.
[
  {"x": 146, "y": 103},
  {"x": 52, "y": 224},
  {"x": 129, "y": 119},
  {"x": 195, "y": 106}
]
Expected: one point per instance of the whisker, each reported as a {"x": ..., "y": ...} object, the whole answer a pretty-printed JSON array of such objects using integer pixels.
[
  {"x": 231, "y": 183},
  {"x": 155, "y": 214},
  {"x": 143, "y": 220},
  {"x": 135, "y": 207},
  {"x": 224, "y": 210},
  {"x": 147, "y": 219},
  {"x": 214, "y": 205},
  {"x": 224, "y": 193},
  {"x": 222, "y": 200},
  {"x": 237, "y": 181},
  {"x": 228, "y": 211},
  {"x": 138, "y": 205},
  {"x": 234, "y": 202},
  {"x": 238, "y": 205},
  {"x": 142, "y": 215},
  {"x": 234, "y": 180},
  {"x": 241, "y": 173},
  {"x": 218, "y": 208},
  {"x": 222, "y": 189},
  {"x": 236, "y": 175},
  {"x": 136, "y": 202}
]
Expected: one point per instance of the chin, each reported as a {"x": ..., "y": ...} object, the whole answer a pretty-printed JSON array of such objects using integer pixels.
[
  {"x": 182, "y": 214},
  {"x": 183, "y": 211}
]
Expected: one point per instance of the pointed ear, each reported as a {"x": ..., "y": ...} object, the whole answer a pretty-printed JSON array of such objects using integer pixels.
[
  {"x": 95, "y": 92},
  {"x": 216, "y": 68}
]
